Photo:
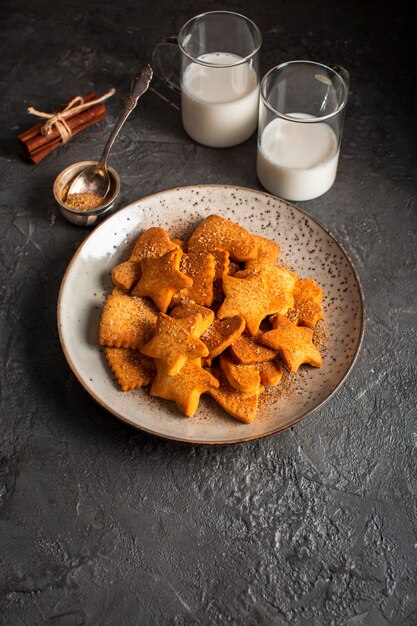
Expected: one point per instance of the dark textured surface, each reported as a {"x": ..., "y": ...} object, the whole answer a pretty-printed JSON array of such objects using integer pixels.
[{"x": 102, "y": 524}]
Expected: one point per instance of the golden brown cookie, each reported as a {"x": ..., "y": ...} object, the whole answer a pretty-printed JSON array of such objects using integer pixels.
[
  {"x": 248, "y": 378},
  {"x": 245, "y": 378},
  {"x": 176, "y": 341},
  {"x": 186, "y": 387},
  {"x": 293, "y": 343},
  {"x": 267, "y": 253},
  {"x": 242, "y": 406},
  {"x": 189, "y": 309},
  {"x": 222, "y": 333},
  {"x": 307, "y": 295},
  {"x": 308, "y": 289},
  {"x": 219, "y": 233},
  {"x": 270, "y": 373},
  {"x": 281, "y": 282},
  {"x": 247, "y": 350},
  {"x": 222, "y": 270},
  {"x": 161, "y": 278},
  {"x": 127, "y": 321},
  {"x": 153, "y": 243},
  {"x": 200, "y": 266},
  {"x": 254, "y": 296},
  {"x": 131, "y": 369},
  {"x": 126, "y": 274}
]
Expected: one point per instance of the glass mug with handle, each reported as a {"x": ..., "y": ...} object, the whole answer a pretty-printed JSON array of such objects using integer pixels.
[
  {"x": 219, "y": 77},
  {"x": 301, "y": 113}
]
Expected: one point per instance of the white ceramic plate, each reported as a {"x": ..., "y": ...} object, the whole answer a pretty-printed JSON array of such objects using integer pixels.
[{"x": 307, "y": 248}]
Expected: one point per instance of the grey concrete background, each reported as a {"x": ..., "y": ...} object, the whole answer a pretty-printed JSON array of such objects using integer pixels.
[{"x": 102, "y": 524}]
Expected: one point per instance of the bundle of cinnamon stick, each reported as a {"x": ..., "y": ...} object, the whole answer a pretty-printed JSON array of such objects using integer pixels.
[{"x": 35, "y": 146}]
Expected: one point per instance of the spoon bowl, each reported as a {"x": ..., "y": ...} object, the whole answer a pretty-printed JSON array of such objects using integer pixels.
[{"x": 93, "y": 180}]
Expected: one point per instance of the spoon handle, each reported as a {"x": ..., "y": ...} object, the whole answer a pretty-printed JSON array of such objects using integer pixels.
[{"x": 139, "y": 85}]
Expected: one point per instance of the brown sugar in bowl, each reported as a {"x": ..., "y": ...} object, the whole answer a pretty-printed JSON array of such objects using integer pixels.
[{"x": 84, "y": 216}]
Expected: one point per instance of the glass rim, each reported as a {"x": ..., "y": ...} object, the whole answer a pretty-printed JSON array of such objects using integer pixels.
[
  {"x": 313, "y": 120},
  {"x": 205, "y": 63}
]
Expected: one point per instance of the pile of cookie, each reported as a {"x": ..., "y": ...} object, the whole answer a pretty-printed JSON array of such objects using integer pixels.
[{"x": 213, "y": 315}]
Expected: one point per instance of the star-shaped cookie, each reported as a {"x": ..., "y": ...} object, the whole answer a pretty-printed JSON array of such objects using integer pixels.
[
  {"x": 255, "y": 295},
  {"x": 293, "y": 343},
  {"x": 188, "y": 309},
  {"x": 186, "y": 387},
  {"x": 176, "y": 341},
  {"x": 161, "y": 278},
  {"x": 153, "y": 242},
  {"x": 307, "y": 296}
]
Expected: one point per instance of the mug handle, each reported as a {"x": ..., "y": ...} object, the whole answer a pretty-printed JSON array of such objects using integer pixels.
[
  {"x": 342, "y": 72},
  {"x": 166, "y": 62}
]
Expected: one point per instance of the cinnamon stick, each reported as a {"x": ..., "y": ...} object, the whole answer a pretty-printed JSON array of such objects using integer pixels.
[
  {"x": 34, "y": 139},
  {"x": 39, "y": 154},
  {"x": 35, "y": 146}
]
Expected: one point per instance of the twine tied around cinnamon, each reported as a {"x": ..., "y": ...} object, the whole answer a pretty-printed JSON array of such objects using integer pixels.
[{"x": 57, "y": 120}]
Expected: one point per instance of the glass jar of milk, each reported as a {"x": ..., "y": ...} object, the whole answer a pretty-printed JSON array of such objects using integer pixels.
[
  {"x": 300, "y": 127},
  {"x": 219, "y": 78}
]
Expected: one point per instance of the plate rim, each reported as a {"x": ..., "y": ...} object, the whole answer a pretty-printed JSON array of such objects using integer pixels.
[{"x": 241, "y": 439}]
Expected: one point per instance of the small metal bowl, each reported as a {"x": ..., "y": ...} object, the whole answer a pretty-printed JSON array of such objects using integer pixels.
[{"x": 85, "y": 218}]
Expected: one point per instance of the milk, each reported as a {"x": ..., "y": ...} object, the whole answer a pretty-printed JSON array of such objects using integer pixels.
[
  {"x": 297, "y": 161},
  {"x": 219, "y": 104}
]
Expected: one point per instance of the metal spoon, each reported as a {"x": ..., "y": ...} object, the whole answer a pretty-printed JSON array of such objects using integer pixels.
[{"x": 95, "y": 179}]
